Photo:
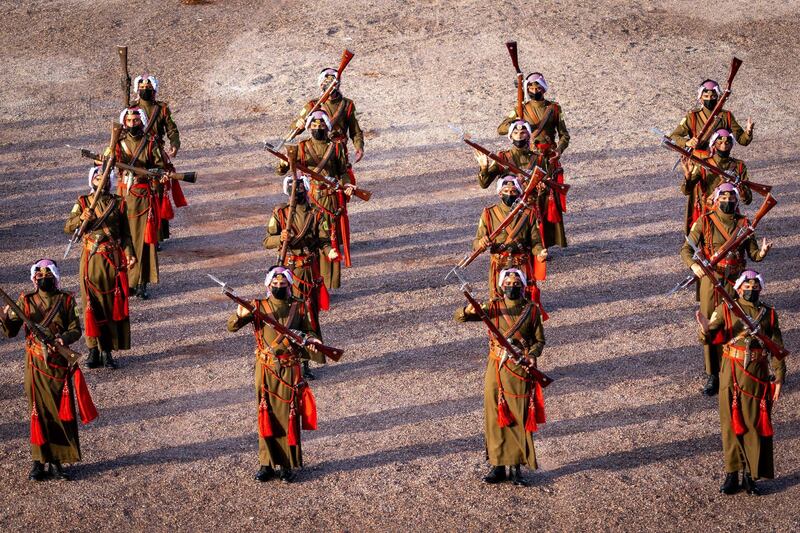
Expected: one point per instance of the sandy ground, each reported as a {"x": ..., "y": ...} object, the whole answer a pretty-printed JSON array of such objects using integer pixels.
[{"x": 629, "y": 444}]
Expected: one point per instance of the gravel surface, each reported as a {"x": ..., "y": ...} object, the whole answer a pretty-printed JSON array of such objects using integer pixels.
[{"x": 629, "y": 444}]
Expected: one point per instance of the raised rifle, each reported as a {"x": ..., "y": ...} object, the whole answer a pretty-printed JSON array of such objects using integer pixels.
[
  {"x": 116, "y": 128},
  {"x": 297, "y": 338},
  {"x": 712, "y": 119},
  {"x": 334, "y": 184},
  {"x": 729, "y": 177},
  {"x": 44, "y": 335},
  {"x": 511, "y": 351},
  {"x": 125, "y": 80},
  {"x": 347, "y": 55},
  {"x": 753, "y": 328},
  {"x": 732, "y": 244},
  {"x": 521, "y": 203},
  {"x": 512, "y": 51},
  {"x": 188, "y": 177},
  {"x": 291, "y": 152}
]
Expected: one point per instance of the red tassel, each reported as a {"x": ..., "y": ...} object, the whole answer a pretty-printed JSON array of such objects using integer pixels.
[
  {"x": 166, "y": 212},
  {"x": 92, "y": 328},
  {"x": 264, "y": 424},
  {"x": 85, "y": 404},
  {"x": 177, "y": 194},
  {"x": 553, "y": 215},
  {"x": 530, "y": 421},
  {"x": 120, "y": 311},
  {"x": 736, "y": 416},
  {"x": 324, "y": 297},
  {"x": 764, "y": 425},
  {"x": 65, "y": 409},
  {"x": 504, "y": 416},
  {"x": 538, "y": 401},
  {"x": 308, "y": 408},
  {"x": 37, "y": 437},
  {"x": 292, "y": 432},
  {"x": 539, "y": 269},
  {"x": 151, "y": 230}
]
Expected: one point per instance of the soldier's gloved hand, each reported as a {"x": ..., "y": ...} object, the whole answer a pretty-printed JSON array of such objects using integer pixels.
[
  {"x": 686, "y": 165},
  {"x": 131, "y": 260},
  {"x": 698, "y": 270},
  {"x": 486, "y": 242},
  {"x": 241, "y": 311},
  {"x": 311, "y": 344},
  {"x": 333, "y": 255},
  {"x": 359, "y": 155},
  {"x": 691, "y": 143},
  {"x": 348, "y": 189},
  {"x": 285, "y": 235},
  {"x": 173, "y": 151},
  {"x": 87, "y": 215},
  {"x": 542, "y": 256}
]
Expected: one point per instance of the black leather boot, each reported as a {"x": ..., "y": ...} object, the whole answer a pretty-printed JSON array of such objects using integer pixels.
[
  {"x": 37, "y": 472},
  {"x": 711, "y": 387},
  {"x": 495, "y": 475},
  {"x": 57, "y": 471},
  {"x": 749, "y": 485},
  {"x": 265, "y": 473},
  {"x": 731, "y": 484},
  {"x": 93, "y": 361},
  {"x": 287, "y": 476},
  {"x": 516, "y": 477},
  {"x": 307, "y": 374},
  {"x": 141, "y": 291},
  {"x": 108, "y": 360}
]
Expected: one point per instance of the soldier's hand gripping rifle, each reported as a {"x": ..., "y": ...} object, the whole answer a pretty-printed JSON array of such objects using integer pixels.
[
  {"x": 347, "y": 55},
  {"x": 116, "y": 128},
  {"x": 297, "y": 338},
  {"x": 712, "y": 119},
  {"x": 44, "y": 335},
  {"x": 125, "y": 80},
  {"x": 522, "y": 203},
  {"x": 732, "y": 244},
  {"x": 512, "y": 51},
  {"x": 728, "y": 176},
  {"x": 511, "y": 351},
  {"x": 753, "y": 328},
  {"x": 334, "y": 184},
  {"x": 188, "y": 177},
  {"x": 291, "y": 152}
]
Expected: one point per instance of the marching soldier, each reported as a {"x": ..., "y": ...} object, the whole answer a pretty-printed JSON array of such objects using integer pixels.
[
  {"x": 699, "y": 184},
  {"x": 308, "y": 236},
  {"x": 342, "y": 114},
  {"x": 519, "y": 245},
  {"x": 710, "y": 232},
  {"x": 48, "y": 376},
  {"x": 282, "y": 394},
  {"x": 685, "y": 135},
  {"x": 106, "y": 256},
  {"x": 747, "y": 390},
  {"x": 147, "y": 88},
  {"x": 511, "y": 399},
  {"x": 141, "y": 197},
  {"x": 329, "y": 158},
  {"x": 520, "y": 154}
]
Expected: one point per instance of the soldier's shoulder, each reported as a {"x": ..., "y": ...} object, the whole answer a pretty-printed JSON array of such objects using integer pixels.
[
  {"x": 280, "y": 207},
  {"x": 68, "y": 294}
]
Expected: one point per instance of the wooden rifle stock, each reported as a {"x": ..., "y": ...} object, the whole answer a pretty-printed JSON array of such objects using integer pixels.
[
  {"x": 292, "y": 155},
  {"x": 512, "y": 51},
  {"x": 188, "y": 177},
  {"x": 122, "y": 52},
  {"x": 560, "y": 187},
  {"x": 712, "y": 119}
]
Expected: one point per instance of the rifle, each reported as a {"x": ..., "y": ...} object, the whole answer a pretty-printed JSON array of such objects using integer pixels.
[
  {"x": 732, "y": 244},
  {"x": 511, "y": 351},
  {"x": 116, "y": 128},
  {"x": 292, "y": 154},
  {"x": 347, "y": 55},
  {"x": 701, "y": 137},
  {"x": 125, "y": 81},
  {"x": 732, "y": 304},
  {"x": 560, "y": 187},
  {"x": 44, "y": 335},
  {"x": 727, "y": 176},
  {"x": 519, "y": 205},
  {"x": 297, "y": 338},
  {"x": 512, "y": 51},
  {"x": 143, "y": 142},
  {"x": 188, "y": 177},
  {"x": 364, "y": 194}
]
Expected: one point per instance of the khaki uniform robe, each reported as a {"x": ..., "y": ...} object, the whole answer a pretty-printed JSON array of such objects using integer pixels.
[
  {"x": 342, "y": 113},
  {"x": 512, "y": 445},
  {"x": 45, "y": 372},
  {"x": 750, "y": 452},
  {"x": 555, "y": 131},
  {"x": 694, "y": 121},
  {"x": 103, "y": 273},
  {"x": 277, "y": 376},
  {"x": 699, "y": 187}
]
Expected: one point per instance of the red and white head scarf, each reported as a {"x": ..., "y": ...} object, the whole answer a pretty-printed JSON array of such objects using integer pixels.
[
  {"x": 519, "y": 124},
  {"x": 50, "y": 265},
  {"x": 131, "y": 110},
  {"x": 94, "y": 171},
  {"x": 708, "y": 85},
  {"x": 319, "y": 115},
  {"x": 725, "y": 187},
  {"x": 287, "y": 183},
  {"x": 275, "y": 271},
  {"x": 538, "y": 78},
  {"x": 508, "y": 178},
  {"x": 145, "y": 77},
  {"x": 505, "y": 272},
  {"x": 722, "y": 132},
  {"x": 747, "y": 275},
  {"x": 324, "y": 73}
]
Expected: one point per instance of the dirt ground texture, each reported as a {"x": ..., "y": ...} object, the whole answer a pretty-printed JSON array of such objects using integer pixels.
[{"x": 629, "y": 444}]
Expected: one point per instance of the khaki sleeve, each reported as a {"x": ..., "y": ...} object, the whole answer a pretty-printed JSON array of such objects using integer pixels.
[
  {"x": 354, "y": 129},
  {"x": 502, "y": 129},
  {"x": 235, "y": 322},
  {"x": 272, "y": 240},
  {"x": 72, "y": 331},
  {"x": 778, "y": 367},
  {"x": 537, "y": 342},
  {"x": 125, "y": 230},
  {"x": 681, "y": 134},
  {"x": 480, "y": 234},
  {"x": 696, "y": 236},
  {"x": 461, "y": 314},
  {"x": 747, "y": 194},
  {"x": 563, "y": 133},
  {"x": 11, "y": 323},
  {"x": 753, "y": 249},
  {"x": 324, "y": 234},
  {"x": 171, "y": 128},
  {"x": 73, "y": 220},
  {"x": 742, "y": 137},
  {"x": 687, "y": 186},
  {"x": 535, "y": 237}
]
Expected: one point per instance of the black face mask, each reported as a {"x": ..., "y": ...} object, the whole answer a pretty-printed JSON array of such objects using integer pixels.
[
  {"x": 521, "y": 143},
  {"x": 537, "y": 96},
  {"x": 47, "y": 284},
  {"x": 300, "y": 197},
  {"x": 727, "y": 207},
  {"x": 509, "y": 199},
  {"x": 146, "y": 95},
  {"x": 136, "y": 131},
  {"x": 319, "y": 134},
  {"x": 512, "y": 292},
  {"x": 710, "y": 104},
  {"x": 281, "y": 293},
  {"x": 751, "y": 295},
  {"x": 725, "y": 153}
]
